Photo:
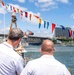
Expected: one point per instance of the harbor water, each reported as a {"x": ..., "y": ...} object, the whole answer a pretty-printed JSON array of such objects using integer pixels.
[{"x": 64, "y": 54}]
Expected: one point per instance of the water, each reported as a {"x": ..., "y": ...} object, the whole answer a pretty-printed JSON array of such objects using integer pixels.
[{"x": 63, "y": 54}]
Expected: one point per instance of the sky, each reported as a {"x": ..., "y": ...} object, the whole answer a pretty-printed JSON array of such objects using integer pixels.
[{"x": 60, "y": 12}]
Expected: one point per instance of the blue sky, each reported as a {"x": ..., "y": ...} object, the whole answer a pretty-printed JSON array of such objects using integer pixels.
[{"x": 60, "y": 12}]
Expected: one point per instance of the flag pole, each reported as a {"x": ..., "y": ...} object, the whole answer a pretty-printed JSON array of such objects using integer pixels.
[{"x": 4, "y": 26}]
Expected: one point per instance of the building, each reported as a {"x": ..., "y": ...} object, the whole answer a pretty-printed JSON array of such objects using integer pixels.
[{"x": 60, "y": 33}]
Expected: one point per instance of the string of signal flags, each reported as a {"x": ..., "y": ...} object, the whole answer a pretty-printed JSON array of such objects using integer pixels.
[{"x": 29, "y": 15}]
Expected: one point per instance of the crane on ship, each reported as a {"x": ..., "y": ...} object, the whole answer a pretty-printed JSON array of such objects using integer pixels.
[{"x": 13, "y": 21}]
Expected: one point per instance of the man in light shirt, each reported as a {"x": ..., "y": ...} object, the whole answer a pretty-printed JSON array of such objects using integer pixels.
[
  {"x": 46, "y": 64},
  {"x": 11, "y": 63}
]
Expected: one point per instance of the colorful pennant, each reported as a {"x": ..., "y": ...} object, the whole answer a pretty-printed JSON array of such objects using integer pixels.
[
  {"x": 44, "y": 24},
  {"x": 47, "y": 25},
  {"x": 40, "y": 21},
  {"x": 63, "y": 28},
  {"x": 53, "y": 26},
  {"x": 30, "y": 16}
]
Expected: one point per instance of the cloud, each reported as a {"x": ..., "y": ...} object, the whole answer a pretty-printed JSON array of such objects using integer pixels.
[
  {"x": 31, "y": 0},
  {"x": 72, "y": 16},
  {"x": 6, "y": 30},
  {"x": 1, "y": 21},
  {"x": 36, "y": 4},
  {"x": 22, "y": 1},
  {"x": 43, "y": 1},
  {"x": 17, "y": 6},
  {"x": 2, "y": 10},
  {"x": 43, "y": 32},
  {"x": 63, "y": 1},
  {"x": 46, "y": 5},
  {"x": 72, "y": 27}
]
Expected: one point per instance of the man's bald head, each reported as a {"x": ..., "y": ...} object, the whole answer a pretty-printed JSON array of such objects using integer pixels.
[{"x": 47, "y": 46}]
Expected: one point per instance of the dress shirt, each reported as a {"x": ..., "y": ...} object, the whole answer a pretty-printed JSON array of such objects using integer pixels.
[
  {"x": 10, "y": 61},
  {"x": 45, "y": 65}
]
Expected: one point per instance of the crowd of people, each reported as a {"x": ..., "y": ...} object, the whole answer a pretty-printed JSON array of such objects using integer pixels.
[{"x": 12, "y": 63}]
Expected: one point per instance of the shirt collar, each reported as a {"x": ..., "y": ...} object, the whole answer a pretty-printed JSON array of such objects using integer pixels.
[
  {"x": 7, "y": 44},
  {"x": 47, "y": 56}
]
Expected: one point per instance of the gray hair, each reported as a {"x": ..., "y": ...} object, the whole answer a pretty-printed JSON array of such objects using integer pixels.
[{"x": 15, "y": 34}]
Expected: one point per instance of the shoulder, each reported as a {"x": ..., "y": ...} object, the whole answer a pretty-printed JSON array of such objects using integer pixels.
[
  {"x": 34, "y": 62},
  {"x": 59, "y": 64},
  {"x": 8, "y": 51}
]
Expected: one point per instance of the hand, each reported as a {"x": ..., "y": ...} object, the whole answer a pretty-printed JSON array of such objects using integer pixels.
[{"x": 19, "y": 49}]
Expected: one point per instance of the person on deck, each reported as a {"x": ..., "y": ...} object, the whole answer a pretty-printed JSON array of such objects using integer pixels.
[
  {"x": 46, "y": 64},
  {"x": 11, "y": 63}
]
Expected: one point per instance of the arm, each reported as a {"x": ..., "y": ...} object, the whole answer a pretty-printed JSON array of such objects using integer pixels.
[{"x": 19, "y": 65}]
